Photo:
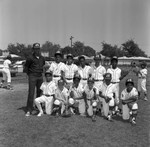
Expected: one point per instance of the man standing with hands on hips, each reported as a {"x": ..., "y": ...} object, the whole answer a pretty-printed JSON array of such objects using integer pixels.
[{"x": 34, "y": 69}]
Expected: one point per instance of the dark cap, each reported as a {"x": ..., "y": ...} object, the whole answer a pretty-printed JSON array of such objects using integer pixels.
[
  {"x": 77, "y": 75},
  {"x": 97, "y": 57},
  {"x": 91, "y": 79},
  {"x": 50, "y": 73},
  {"x": 58, "y": 53},
  {"x": 36, "y": 46},
  {"x": 144, "y": 63},
  {"x": 129, "y": 81},
  {"x": 114, "y": 58},
  {"x": 81, "y": 57},
  {"x": 70, "y": 55},
  {"x": 107, "y": 76},
  {"x": 61, "y": 81}
]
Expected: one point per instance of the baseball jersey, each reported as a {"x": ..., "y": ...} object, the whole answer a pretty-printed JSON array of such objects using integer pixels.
[
  {"x": 70, "y": 70},
  {"x": 62, "y": 94},
  {"x": 126, "y": 95},
  {"x": 6, "y": 63},
  {"x": 56, "y": 68},
  {"x": 143, "y": 73},
  {"x": 78, "y": 91},
  {"x": 48, "y": 88},
  {"x": 116, "y": 74},
  {"x": 98, "y": 72},
  {"x": 90, "y": 92},
  {"x": 84, "y": 72},
  {"x": 109, "y": 91}
]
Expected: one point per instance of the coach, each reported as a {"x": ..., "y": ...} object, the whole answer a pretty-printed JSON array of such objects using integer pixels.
[{"x": 34, "y": 69}]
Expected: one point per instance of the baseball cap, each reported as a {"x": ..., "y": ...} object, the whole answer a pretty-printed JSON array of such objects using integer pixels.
[
  {"x": 90, "y": 79},
  {"x": 107, "y": 76},
  {"x": 81, "y": 57},
  {"x": 70, "y": 55},
  {"x": 114, "y": 58},
  {"x": 50, "y": 73},
  {"x": 97, "y": 57},
  {"x": 77, "y": 75},
  {"x": 129, "y": 81},
  {"x": 36, "y": 46},
  {"x": 58, "y": 53}
]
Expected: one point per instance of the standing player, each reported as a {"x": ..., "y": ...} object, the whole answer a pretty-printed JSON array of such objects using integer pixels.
[
  {"x": 61, "y": 98},
  {"x": 48, "y": 90},
  {"x": 107, "y": 92},
  {"x": 117, "y": 74},
  {"x": 129, "y": 98},
  {"x": 84, "y": 70},
  {"x": 91, "y": 94},
  {"x": 70, "y": 70},
  {"x": 142, "y": 75},
  {"x": 76, "y": 95},
  {"x": 6, "y": 73},
  {"x": 57, "y": 67}
]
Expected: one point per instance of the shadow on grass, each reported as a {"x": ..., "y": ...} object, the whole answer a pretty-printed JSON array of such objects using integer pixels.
[{"x": 24, "y": 108}]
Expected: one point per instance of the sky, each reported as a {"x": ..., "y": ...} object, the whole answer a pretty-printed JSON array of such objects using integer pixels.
[{"x": 88, "y": 21}]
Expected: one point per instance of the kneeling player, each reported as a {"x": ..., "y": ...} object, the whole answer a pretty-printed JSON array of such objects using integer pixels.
[
  {"x": 107, "y": 92},
  {"x": 129, "y": 98},
  {"x": 61, "y": 98},
  {"x": 48, "y": 88},
  {"x": 76, "y": 99},
  {"x": 91, "y": 94}
]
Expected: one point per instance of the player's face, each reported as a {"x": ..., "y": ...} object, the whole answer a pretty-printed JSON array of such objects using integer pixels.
[
  {"x": 129, "y": 87},
  {"x": 70, "y": 60},
  {"x": 114, "y": 64},
  {"x": 48, "y": 78},
  {"x": 90, "y": 84},
  {"x": 107, "y": 81},
  {"x": 37, "y": 52},
  {"x": 76, "y": 81},
  {"x": 97, "y": 61},
  {"x": 82, "y": 62},
  {"x": 60, "y": 85},
  {"x": 58, "y": 58}
]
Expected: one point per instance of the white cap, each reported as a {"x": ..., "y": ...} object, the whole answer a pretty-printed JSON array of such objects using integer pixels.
[
  {"x": 94, "y": 104},
  {"x": 71, "y": 101},
  {"x": 57, "y": 102}
]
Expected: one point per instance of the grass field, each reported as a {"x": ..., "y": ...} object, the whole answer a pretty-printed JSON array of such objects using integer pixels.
[{"x": 16, "y": 130}]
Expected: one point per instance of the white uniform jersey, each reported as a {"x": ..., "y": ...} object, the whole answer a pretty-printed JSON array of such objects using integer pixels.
[
  {"x": 109, "y": 91},
  {"x": 6, "y": 63},
  {"x": 126, "y": 95},
  {"x": 116, "y": 74},
  {"x": 70, "y": 70},
  {"x": 143, "y": 73},
  {"x": 78, "y": 92},
  {"x": 98, "y": 72},
  {"x": 62, "y": 94},
  {"x": 90, "y": 92},
  {"x": 56, "y": 68},
  {"x": 48, "y": 88},
  {"x": 84, "y": 72}
]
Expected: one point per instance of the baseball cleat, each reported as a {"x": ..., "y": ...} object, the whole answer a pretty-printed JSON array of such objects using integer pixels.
[
  {"x": 27, "y": 114},
  {"x": 40, "y": 114}
]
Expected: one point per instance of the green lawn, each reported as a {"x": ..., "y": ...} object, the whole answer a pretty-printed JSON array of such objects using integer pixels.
[{"x": 16, "y": 130}]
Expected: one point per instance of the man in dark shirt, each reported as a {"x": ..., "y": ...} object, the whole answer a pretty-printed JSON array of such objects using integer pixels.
[{"x": 34, "y": 69}]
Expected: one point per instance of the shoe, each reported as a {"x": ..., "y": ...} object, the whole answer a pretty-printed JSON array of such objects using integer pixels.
[
  {"x": 28, "y": 114},
  {"x": 40, "y": 114},
  {"x": 145, "y": 99},
  {"x": 93, "y": 118},
  {"x": 109, "y": 118},
  {"x": 133, "y": 122}
]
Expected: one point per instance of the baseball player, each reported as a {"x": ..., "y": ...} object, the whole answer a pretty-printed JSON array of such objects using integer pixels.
[
  {"x": 117, "y": 75},
  {"x": 61, "y": 98},
  {"x": 76, "y": 98},
  {"x": 6, "y": 73},
  {"x": 48, "y": 90},
  {"x": 129, "y": 97},
  {"x": 142, "y": 75},
  {"x": 84, "y": 70},
  {"x": 91, "y": 94},
  {"x": 70, "y": 70},
  {"x": 57, "y": 67},
  {"x": 107, "y": 92}
]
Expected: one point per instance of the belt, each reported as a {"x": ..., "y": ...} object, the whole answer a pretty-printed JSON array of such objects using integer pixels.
[
  {"x": 114, "y": 82},
  {"x": 141, "y": 78},
  {"x": 56, "y": 76},
  {"x": 97, "y": 80},
  {"x": 47, "y": 95},
  {"x": 84, "y": 79},
  {"x": 69, "y": 78}
]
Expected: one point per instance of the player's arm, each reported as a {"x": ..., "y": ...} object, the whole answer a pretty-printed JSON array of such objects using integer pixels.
[
  {"x": 27, "y": 66},
  {"x": 85, "y": 99},
  {"x": 130, "y": 100},
  {"x": 101, "y": 95}
]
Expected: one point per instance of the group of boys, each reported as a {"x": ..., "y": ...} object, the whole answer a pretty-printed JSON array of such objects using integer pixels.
[{"x": 88, "y": 89}]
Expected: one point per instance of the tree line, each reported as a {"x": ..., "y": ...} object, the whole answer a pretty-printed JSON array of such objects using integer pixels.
[{"x": 129, "y": 49}]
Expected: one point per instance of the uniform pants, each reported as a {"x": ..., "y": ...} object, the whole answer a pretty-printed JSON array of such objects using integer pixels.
[
  {"x": 34, "y": 82},
  {"x": 6, "y": 75},
  {"x": 81, "y": 106}
]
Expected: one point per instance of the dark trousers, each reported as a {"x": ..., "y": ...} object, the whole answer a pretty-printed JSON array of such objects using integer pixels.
[{"x": 34, "y": 82}]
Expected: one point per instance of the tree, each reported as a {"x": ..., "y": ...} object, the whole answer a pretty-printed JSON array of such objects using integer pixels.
[{"x": 130, "y": 49}]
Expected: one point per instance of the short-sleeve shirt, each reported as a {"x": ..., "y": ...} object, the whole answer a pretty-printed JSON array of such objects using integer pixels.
[
  {"x": 78, "y": 92},
  {"x": 109, "y": 90},
  {"x": 126, "y": 95},
  {"x": 143, "y": 72},
  {"x": 6, "y": 63},
  {"x": 84, "y": 72},
  {"x": 98, "y": 72},
  {"x": 90, "y": 92},
  {"x": 61, "y": 94},
  {"x": 48, "y": 88},
  {"x": 70, "y": 70},
  {"x": 56, "y": 68},
  {"x": 116, "y": 74}
]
